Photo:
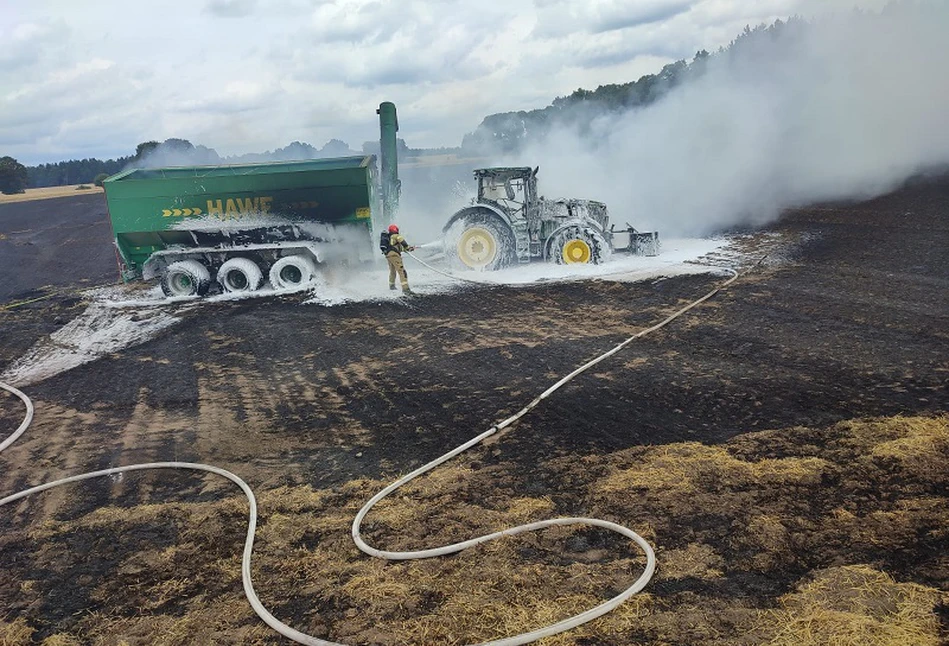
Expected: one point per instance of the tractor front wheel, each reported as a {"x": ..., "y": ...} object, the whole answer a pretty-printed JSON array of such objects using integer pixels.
[{"x": 481, "y": 242}]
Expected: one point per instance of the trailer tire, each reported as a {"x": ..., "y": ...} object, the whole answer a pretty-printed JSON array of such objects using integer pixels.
[
  {"x": 292, "y": 271},
  {"x": 578, "y": 245},
  {"x": 185, "y": 278},
  {"x": 480, "y": 241},
  {"x": 240, "y": 275}
]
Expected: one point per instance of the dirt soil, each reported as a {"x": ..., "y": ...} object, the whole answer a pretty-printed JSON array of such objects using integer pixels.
[
  {"x": 54, "y": 245},
  {"x": 785, "y": 448}
]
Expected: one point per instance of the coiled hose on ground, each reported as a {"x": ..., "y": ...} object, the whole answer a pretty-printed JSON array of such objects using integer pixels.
[{"x": 304, "y": 638}]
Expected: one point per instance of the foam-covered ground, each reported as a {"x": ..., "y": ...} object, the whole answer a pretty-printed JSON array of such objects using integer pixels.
[
  {"x": 677, "y": 257},
  {"x": 121, "y": 316}
]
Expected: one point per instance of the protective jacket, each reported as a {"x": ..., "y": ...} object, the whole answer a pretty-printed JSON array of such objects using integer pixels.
[{"x": 393, "y": 242}]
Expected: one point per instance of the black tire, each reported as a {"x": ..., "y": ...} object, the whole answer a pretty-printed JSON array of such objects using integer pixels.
[
  {"x": 579, "y": 245},
  {"x": 480, "y": 241},
  {"x": 185, "y": 278}
]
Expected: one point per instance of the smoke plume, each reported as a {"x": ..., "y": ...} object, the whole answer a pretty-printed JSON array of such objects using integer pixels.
[{"x": 841, "y": 107}]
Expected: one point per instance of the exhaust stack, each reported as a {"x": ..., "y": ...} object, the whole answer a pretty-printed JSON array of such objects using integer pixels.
[{"x": 391, "y": 185}]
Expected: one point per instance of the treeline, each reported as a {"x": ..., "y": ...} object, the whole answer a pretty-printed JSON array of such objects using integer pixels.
[
  {"x": 511, "y": 131},
  {"x": 74, "y": 171},
  {"x": 181, "y": 152},
  {"x": 171, "y": 152}
]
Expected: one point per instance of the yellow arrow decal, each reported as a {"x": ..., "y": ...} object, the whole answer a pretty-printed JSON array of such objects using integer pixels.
[{"x": 165, "y": 213}]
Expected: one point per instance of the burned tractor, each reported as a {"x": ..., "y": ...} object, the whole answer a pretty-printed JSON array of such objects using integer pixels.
[{"x": 508, "y": 224}]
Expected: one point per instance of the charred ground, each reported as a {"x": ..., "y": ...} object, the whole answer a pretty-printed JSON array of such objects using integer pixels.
[{"x": 786, "y": 443}]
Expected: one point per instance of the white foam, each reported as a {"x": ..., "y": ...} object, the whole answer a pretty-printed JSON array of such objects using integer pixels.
[
  {"x": 123, "y": 316},
  {"x": 98, "y": 331},
  {"x": 677, "y": 257}
]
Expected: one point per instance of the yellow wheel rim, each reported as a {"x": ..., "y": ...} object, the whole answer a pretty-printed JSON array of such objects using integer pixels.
[
  {"x": 477, "y": 247},
  {"x": 576, "y": 252}
]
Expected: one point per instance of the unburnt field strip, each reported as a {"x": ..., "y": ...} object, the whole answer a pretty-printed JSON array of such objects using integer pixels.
[{"x": 785, "y": 448}]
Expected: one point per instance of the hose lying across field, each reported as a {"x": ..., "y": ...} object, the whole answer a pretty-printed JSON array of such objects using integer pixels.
[{"x": 303, "y": 638}]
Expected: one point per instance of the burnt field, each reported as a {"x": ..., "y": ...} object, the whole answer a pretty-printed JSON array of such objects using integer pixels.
[{"x": 784, "y": 447}]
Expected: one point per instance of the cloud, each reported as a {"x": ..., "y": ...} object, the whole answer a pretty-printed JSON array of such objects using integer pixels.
[
  {"x": 617, "y": 16},
  {"x": 231, "y": 8},
  {"x": 363, "y": 43},
  {"x": 29, "y": 47},
  {"x": 358, "y": 21},
  {"x": 560, "y": 18},
  {"x": 233, "y": 96}
]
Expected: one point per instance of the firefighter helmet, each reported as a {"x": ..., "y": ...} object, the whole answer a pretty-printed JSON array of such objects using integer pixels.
[{"x": 393, "y": 228}]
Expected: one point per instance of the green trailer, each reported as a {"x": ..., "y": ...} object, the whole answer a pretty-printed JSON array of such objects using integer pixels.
[{"x": 237, "y": 227}]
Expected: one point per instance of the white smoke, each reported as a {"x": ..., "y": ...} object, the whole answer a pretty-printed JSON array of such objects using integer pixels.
[{"x": 846, "y": 106}]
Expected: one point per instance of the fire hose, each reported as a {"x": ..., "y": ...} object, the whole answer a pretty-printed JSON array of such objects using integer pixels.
[{"x": 311, "y": 640}]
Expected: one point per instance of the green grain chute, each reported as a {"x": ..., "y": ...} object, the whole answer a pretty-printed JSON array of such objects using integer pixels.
[{"x": 388, "y": 146}]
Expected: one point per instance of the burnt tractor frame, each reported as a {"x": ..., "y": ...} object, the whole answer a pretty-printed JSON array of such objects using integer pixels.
[{"x": 508, "y": 223}]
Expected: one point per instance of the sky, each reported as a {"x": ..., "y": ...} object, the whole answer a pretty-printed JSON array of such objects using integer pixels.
[{"x": 95, "y": 78}]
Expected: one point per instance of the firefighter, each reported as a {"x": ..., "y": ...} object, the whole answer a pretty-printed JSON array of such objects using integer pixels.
[{"x": 392, "y": 245}]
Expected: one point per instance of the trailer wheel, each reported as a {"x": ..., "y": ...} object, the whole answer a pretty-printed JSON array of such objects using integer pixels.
[
  {"x": 240, "y": 275},
  {"x": 579, "y": 246},
  {"x": 481, "y": 241},
  {"x": 292, "y": 271},
  {"x": 185, "y": 278}
]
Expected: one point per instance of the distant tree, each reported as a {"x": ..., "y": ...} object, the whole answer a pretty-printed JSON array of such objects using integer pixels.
[
  {"x": 174, "y": 144},
  {"x": 204, "y": 156},
  {"x": 73, "y": 171},
  {"x": 335, "y": 148},
  {"x": 13, "y": 177},
  {"x": 100, "y": 178},
  {"x": 144, "y": 148},
  {"x": 699, "y": 64},
  {"x": 173, "y": 152},
  {"x": 295, "y": 150}
]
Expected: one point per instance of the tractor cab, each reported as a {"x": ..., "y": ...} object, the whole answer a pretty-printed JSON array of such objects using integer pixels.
[{"x": 514, "y": 190}]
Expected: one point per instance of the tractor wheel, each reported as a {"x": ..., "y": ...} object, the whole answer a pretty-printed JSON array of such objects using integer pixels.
[
  {"x": 579, "y": 246},
  {"x": 240, "y": 275},
  {"x": 292, "y": 271},
  {"x": 185, "y": 278},
  {"x": 481, "y": 242}
]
